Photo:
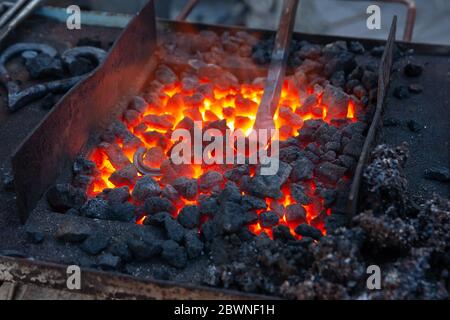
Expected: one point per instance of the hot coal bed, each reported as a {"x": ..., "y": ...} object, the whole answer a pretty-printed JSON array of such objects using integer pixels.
[{"x": 228, "y": 226}]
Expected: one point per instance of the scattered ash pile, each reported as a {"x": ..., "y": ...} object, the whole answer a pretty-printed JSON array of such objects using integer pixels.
[{"x": 284, "y": 234}]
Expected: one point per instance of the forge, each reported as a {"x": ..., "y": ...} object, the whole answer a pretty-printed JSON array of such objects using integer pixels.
[{"x": 100, "y": 184}]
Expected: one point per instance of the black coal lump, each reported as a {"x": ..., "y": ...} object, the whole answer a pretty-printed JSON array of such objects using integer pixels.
[
  {"x": 63, "y": 197},
  {"x": 124, "y": 212},
  {"x": 120, "y": 249},
  {"x": 174, "y": 230},
  {"x": 95, "y": 243},
  {"x": 144, "y": 246},
  {"x": 268, "y": 219},
  {"x": 189, "y": 217},
  {"x": 174, "y": 254},
  {"x": 413, "y": 69},
  {"x": 208, "y": 206},
  {"x": 157, "y": 204},
  {"x": 306, "y": 230},
  {"x": 95, "y": 209},
  {"x": 157, "y": 219},
  {"x": 71, "y": 231},
  {"x": 282, "y": 233},
  {"x": 194, "y": 246},
  {"x": 146, "y": 187},
  {"x": 109, "y": 262}
]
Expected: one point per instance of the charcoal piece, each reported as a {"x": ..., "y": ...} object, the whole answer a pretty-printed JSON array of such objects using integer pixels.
[
  {"x": 125, "y": 176},
  {"x": 337, "y": 102},
  {"x": 230, "y": 217},
  {"x": 186, "y": 187},
  {"x": 146, "y": 187},
  {"x": 189, "y": 216},
  {"x": 209, "y": 180},
  {"x": 441, "y": 174},
  {"x": 144, "y": 247},
  {"x": 63, "y": 197},
  {"x": 169, "y": 192},
  {"x": 95, "y": 244},
  {"x": 338, "y": 79},
  {"x": 155, "y": 204},
  {"x": 253, "y": 203},
  {"x": 250, "y": 217},
  {"x": 329, "y": 156},
  {"x": 174, "y": 230},
  {"x": 347, "y": 161},
  {"x": 306, "y": 230},
  {"x": 230, "y": 192},
  {"x": 401, "y": 92},
  {"x": 115, "y": 155},
  {"x": 414, "y": 126},
  {"x": 82, "y": 181},
  {"x": 351, "y": 84},
  {"x": 282, "y": 233},
  {"x": 95, "y": 209},
  {"x": 109, "y": 262},
  {"x": 84, "y": 166},
  {"x": 34, "y": 235},
  {"x": 70, "y": 231},
  {"x": 310, "y": 51},
  {"x": 309, "y": 66},
  {"x": 290, "y": 154},
  {"x": 194, "y": 246},
  {"x": 174, "y": 254},
  {"x": 369, "y": 80},
  {"x": 117, "y": 195},
  {"x": 354, "y": 128},
  {"x": 295, "y": 213},
  {"x": 343, "y": 61},
  {"x": 210, "y": 230},
  {"x": 268, "y": 219},
  {"x": 312, "y": 157},
  {"x": 165, "y": 75},
  {"x": 359, "y": 91},
  {"x": 157, "y": 219},
  {"x": 356, "y": 47},
  {"x": 330, "y": 172},
  {"x": 161, "y": 122},
  {"x": 333, "y": 146},
  {"x": 139, "y": 104},
  {"x": 334, "y": 48},
  {"x": 43, "y": 65},
  {"x": 298, "y": 194},
  {"x": 329, "y": 197},
  {"x": 356, "y": 73},
  {"x": 121, "y": 250},
  {"x": 131, "y": 117},
  {"x": 413, "y": 69},
  {"x": 377, "y": 51},
  {"x": 302, "y": 169},
  {"x": 354, "y": 147},
  {"x": 415, "y": 88},
  {"x": 208, "y": 206},
  {"x": 237, "y": 173},
  {"x": 265, "y": 187},
  {"x": 125, "y": 212}
]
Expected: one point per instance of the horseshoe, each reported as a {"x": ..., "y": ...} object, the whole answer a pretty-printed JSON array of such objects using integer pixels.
[{"x": 138, "y": 161}]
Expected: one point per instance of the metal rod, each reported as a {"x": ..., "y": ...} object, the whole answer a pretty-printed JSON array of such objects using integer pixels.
[
  {"x": 277, "y": 68},
  {"x": 24, "y": 13},
  {"x": 383, "y": 84},
  {"x": 410, "y": 17},
  {"x": 184, "y": 13},
  {"x": 11, "y": 11}
]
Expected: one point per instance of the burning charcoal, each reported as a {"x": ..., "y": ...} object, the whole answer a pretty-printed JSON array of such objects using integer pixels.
[
  {"x": 336, "y": 100},
  {"x": 95, "y": 244},
  {"x": 310, "y": 51},
  {"x": 115, "y": 155},
  {"x": 265, "y": 187},
  {"x": 121, "y": 250},
  {"x": 309, "y": 66},
  {"x": 156, "y": 204},
  {"x": 124, "y": 212},
  {"x": 172, "y": 194},
  {"x": 84, "y": 166},
  {"x": 144, "y": 247},
  {"x": 132, "y": 117},
  {"x": 209, "y": 179},
  {"x": 125, "y": 176},
  {"x": 109, "y": 262},
  {"x": 82, "y": 181},
  {"x": 173, "y": 229},
  {"x": 34, "y": 235},
  {"x": 356, "y": 47},
  {"x": 157, "y": 219},
  {"x": 299, "y": 195},
  {"x": 415, "y": 88},
  {"x": 189, "y": 217},
  {"x": 377, "y": 51},
  {"x": 441, "y": 174},
  {"x": 95, "y": 208},
  {"x": 165, "y": 75},
  {"x": 330, "y": 172},
  {"x": 237, "y": 173},
  {"x": 186, "y": 187},
  {"x": 43, "y": 65},
  {"x": 414, "y": 126},
  {"x": 116, "y": 195},
  {"x": 268, "y": 219},
  {"x": 306, "y": 107},
  {"x": 253, "y": 203},
  {"x": 63, "y": 197},
  {"x": 401, "y": 92},
  {"x": 230, "y": 193},
  {"x": 194, "y": 246},
  {"x": 208, "y": 206},
  {"x": 412, "y": 69},
  {"x": 146, "y": 187},
  {"x": 174, "y": 254},
  {"x": 282, "y": 233},
  {"x": 155, "y": 137},
  {"x": 289, "y": 117},
  {"x": 70, "y": 231},
  {"x": 164, "y": 122},
  {"x": 139, "y": 104},
  {"x": 369, "y": 80},
  {"x": 295, "y": 213},
  {"x": 250, "y": 217},
  {"x": 308, "y": 129},
  {"x": 305, "y": 230},
  {"x": 302, "y": 169}
]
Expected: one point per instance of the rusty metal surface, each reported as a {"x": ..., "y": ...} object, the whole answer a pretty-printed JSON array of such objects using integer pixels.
[
  {"x": 383, "y": 84},
  {"x": 277, "y": 68},
  {"x": 52, "y": 147},
  {"x": 110, "y": 285},
  {"x": 410, "y": 17}
]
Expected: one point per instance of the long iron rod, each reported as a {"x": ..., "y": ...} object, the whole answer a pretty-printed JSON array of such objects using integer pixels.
[
  {"x": 184, "y": 13},
  {"x": 11, "y": 11}
]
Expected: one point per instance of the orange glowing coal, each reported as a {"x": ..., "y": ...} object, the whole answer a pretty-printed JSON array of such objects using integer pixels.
[{"x": 170, "y": 104}]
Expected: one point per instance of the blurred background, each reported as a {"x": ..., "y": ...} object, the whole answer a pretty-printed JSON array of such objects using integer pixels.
[{"x": 334, "y": 17}]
